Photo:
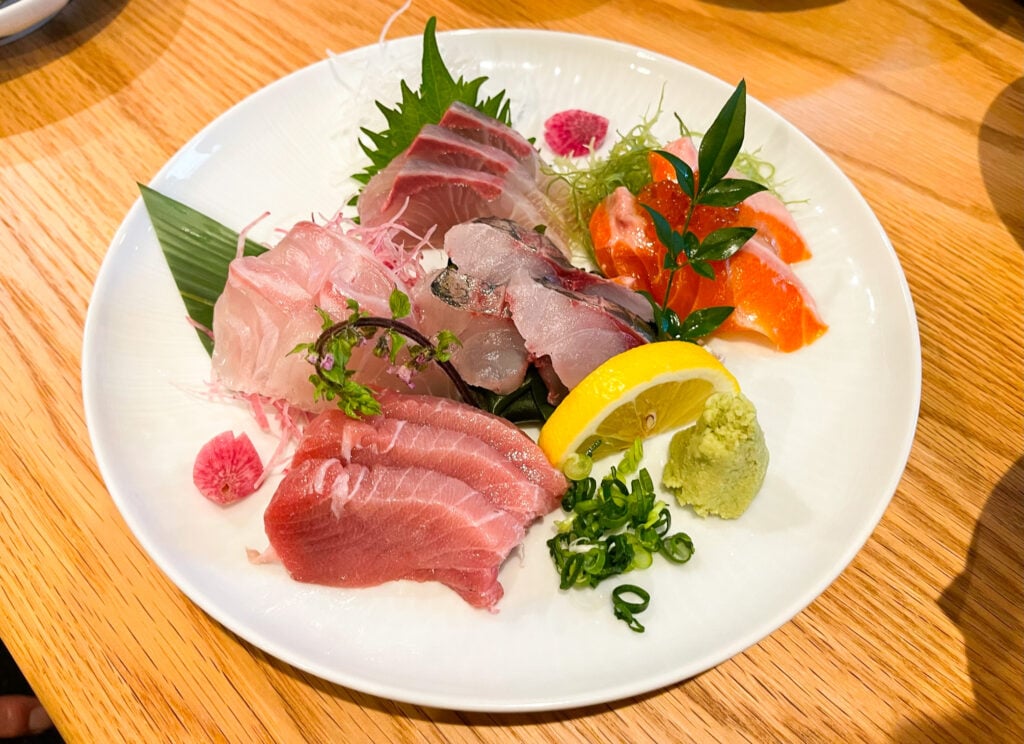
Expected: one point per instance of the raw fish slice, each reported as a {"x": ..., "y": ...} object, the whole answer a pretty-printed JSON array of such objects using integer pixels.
[
  {"x": 491, "y": 355},
  {"x": 444, "y": 146},
  {"x": 769, "y": 299},
  {"x": 764, "y": 211},
  {"x": 397, "y": 443},
  {"x": 504, "y": 436},
  {"x": 490, "y": 251},
  {"x": 353, "y": 526},
  {"x": 269, "y": 306},
  {"x": 470, "y": 123},
  {"x": 625, "y": 244},
  {"x": 423, "y": 195},
  {"x": 575, "y": 333}
]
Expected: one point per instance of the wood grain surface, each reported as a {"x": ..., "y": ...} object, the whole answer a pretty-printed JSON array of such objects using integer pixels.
[{"x": 920, "y": 103}]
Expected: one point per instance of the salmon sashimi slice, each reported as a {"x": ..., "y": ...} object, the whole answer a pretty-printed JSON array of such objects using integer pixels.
[
  {"x": 767, "y": 297},
  {"x": 764, "y": 211},
  {"x": 625, "y": 244}
]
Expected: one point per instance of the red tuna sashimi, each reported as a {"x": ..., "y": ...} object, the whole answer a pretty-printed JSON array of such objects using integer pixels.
[
  {"x": 763, "y": 211},
  {"x": 576, "y": 334},
  {"x": 269, "y": 303},
  {"x": 397, "y": 443},
  {"x": 504, "y": 436},
  {"x": 351, "y": 526}
]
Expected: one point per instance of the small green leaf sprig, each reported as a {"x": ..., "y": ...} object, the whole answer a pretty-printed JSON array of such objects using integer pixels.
[
  {"x": 614, "y": 527},
  {"x": 332, "y": 351},
  {"x": 718, "y": 150}
]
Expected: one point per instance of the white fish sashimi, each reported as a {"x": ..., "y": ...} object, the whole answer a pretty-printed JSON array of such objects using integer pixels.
[{"x": 269, "y": 305}]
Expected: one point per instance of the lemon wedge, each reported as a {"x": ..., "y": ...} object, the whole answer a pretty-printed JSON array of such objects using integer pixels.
[{"x": 636, "y": 394}]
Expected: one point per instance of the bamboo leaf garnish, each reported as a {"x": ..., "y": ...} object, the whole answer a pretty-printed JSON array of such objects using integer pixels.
[{"x": 198, "y": 250}]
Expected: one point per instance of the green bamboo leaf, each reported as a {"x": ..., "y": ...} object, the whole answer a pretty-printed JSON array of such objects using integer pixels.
[
  {"x": 731, "y": 191},
  {"x": 724, "y": 242},
  {"x": 724, "y": 138},
  {"x": 198, "y": 250}
]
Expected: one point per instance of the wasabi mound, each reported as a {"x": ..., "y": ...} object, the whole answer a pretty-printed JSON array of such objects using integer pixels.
[{"x": 717, "y": 465}]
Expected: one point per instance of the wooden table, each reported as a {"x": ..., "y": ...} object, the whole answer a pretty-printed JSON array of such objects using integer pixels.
[{"x": 920, "y": 639}]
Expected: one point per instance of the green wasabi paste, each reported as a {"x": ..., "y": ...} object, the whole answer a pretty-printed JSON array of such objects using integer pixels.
[{"x": 717, "y": 465}]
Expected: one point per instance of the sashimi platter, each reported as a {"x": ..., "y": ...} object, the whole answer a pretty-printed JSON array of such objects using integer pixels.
[{"x": 501, "y": 370}]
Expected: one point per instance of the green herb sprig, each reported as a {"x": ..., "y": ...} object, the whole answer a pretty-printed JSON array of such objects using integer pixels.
[
  {"x": 331, "y": 353},
  {"x": 615, "y": 527},
  {"x": 438, "y": 90},
  {"x": 710, "y": 186}
]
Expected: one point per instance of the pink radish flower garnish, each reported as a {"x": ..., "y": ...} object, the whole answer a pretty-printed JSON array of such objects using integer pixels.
[
  {"x": 227, "y": 468},
  {"x": 575, "y": 132}
]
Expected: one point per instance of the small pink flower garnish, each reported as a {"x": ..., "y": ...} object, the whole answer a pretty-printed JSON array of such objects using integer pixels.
[
  {"x": 227, "y": 468},
  {"x": 574, "y": 132}
]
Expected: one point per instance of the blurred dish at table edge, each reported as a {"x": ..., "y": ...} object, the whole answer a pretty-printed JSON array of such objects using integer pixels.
[{"x": 20, "y": 17}]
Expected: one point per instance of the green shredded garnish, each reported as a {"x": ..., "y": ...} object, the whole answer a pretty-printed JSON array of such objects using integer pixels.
[{"x": 615, "y": 527}]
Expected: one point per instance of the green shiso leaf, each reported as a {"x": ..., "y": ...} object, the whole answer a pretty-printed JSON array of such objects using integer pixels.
[
  {"x": 198, "y": 250},
  {"x": 438, "y": 90}
]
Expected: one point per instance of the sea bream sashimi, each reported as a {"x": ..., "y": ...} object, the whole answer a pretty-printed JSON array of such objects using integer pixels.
[
  {"x": 467, "y": 166},
  {"x": 380, "y": 440},
  {"x": 353, "y": 526},
  {"x": 269, "y": 306}
]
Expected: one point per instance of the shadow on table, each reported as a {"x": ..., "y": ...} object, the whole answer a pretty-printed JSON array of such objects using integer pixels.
[
  {"x": 25, "y": 68},
  {"x": 775, "y": 6},
  {"x": 986, "y": 602},
  {"x": 1005, "y": 15},
  {"x": 1001, "y": 154}
]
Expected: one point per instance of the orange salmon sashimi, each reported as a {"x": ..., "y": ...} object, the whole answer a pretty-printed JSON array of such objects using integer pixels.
[
  {"x": 763, "y": 211},
  {"x": 625, "y": 246},
  {"x": 768, "y": 297}
]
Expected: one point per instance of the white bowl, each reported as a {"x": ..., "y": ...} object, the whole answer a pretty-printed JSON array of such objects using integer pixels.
[{"x": 19, "y": 17}]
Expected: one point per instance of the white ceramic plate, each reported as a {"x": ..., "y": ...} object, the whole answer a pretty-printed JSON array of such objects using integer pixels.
[
  {"x": 839, "y": 416},
  {"x": 19, "y": 17}
]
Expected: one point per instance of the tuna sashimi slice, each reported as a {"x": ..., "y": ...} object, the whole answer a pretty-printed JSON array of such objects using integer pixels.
[
  {"x": 504, "y": 436},
  {"x": 352, "y": 526},
  {"x": 397, "y": 443}
]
